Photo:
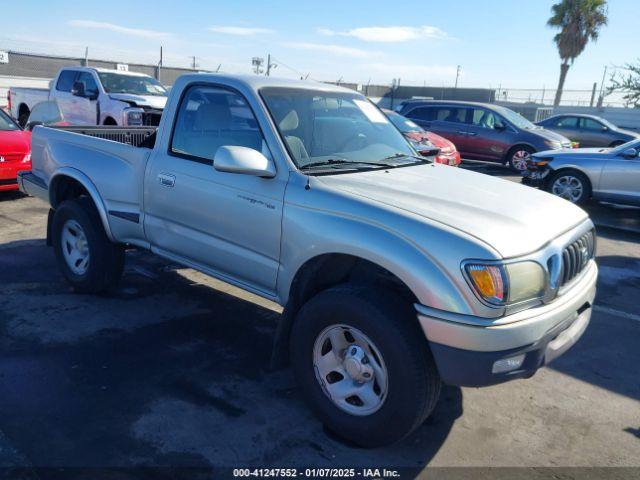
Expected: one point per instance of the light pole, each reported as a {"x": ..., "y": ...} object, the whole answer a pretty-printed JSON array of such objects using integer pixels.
[{"x": 458, "y": 74}]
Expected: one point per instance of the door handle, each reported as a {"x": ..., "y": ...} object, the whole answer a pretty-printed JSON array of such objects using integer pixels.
[
  {"x": 463, "y": 133},
  {"x": 472, "y": 134},
  {"x": 166, "y": 179}
]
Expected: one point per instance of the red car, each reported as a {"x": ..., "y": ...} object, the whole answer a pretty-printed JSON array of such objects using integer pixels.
[
  {"x": 424, "y": 141},
  {"x": 15, "y": 152}
]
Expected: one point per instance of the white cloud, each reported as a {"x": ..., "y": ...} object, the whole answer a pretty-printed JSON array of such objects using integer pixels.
[
  {"x": 333, "y": 49},
  {"x": 136, "y": 32},
  {"x": 389, "y": 34},
  {"x": 245, "y": 31}
]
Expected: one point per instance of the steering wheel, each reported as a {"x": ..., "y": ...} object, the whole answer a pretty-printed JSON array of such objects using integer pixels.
[{"x": 361, "y": 138}]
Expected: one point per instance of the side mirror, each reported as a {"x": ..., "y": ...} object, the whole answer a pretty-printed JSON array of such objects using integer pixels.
[
  {"x": 605, "y": 128},
  {"x": 243, "y": 160},
  {"x": 630, "y": 153},
  {"x": 500, "y": 126},
  {"x": 78, "y": 89},
  {"x": 31, "y": 125}
]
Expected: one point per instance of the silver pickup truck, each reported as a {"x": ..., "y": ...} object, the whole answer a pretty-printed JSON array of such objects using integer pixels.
[
  {"x": 95, "y": 96},
  {"x": 396, "y": 273}
]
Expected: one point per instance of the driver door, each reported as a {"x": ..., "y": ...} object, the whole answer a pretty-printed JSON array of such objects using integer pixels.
[
  {"x": 227, "y": 224},
  {"x": 86, "y": 107}
]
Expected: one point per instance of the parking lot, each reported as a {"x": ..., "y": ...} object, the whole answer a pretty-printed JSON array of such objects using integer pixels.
[{"x": 172, "y": 369}]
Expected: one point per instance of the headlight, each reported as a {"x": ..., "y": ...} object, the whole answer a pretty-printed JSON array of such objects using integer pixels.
[
  {"x": 502, "y": 285},
  {"x": 553, "y": 145},
  {"x": 134, "y": 117},
  {"x": 26, "y": 158}
]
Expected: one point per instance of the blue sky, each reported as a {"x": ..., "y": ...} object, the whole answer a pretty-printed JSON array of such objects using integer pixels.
[{"x": 497, "y": 42}]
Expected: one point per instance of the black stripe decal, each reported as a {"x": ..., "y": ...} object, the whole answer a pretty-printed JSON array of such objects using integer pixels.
[{"x": 131, "y": 217}]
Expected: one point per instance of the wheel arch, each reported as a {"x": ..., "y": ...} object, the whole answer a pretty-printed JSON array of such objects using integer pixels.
[
  {"x": 69, "y": 183},
  {"x": 322, "y": 272},
  {"x": 109, "y": 120},
  {"x": 511, "y": 149},
  {"x": 573, "y": 167}
]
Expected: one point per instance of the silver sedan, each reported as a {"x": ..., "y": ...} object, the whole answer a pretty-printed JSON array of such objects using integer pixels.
[{"x": 606, "y": 174}]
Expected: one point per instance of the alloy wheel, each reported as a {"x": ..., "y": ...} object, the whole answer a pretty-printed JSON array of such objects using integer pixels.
[{"x": 568, "y": 187}]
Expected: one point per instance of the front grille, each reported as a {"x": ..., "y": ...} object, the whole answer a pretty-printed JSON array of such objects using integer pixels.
[
  {"x": 151, "y": 117},
  {"x": 575, "y": 257}
]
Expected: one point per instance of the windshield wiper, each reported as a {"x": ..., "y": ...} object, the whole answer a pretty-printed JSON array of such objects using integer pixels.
[
  {"x": 404, "y": 155},
  {"x": 343, "y": 161}
]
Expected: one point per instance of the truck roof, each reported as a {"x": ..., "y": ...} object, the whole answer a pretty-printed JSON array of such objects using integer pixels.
[
  {"x": 256, "y": 82},
  {"x": 107, "y": 70}
]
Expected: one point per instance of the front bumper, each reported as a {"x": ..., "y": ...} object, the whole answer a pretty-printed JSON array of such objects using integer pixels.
[{"x": 466, "y": 354}]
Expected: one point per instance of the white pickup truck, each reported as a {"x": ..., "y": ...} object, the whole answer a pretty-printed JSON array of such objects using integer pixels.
[
  {"x": 395, "y": 273},
  {"x": 95, "y": 96}
]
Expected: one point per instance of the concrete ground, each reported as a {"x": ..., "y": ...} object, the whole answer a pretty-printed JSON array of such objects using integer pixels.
[{"x": 170, "y": 369}]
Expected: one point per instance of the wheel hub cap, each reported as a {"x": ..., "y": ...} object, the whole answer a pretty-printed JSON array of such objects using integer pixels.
[
  {"x": 350, "y": 370},
  {"x": 357, "y": 365},
  {"x": 75, "y": 248}
]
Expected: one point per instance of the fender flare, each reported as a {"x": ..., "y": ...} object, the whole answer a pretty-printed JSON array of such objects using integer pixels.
[{"x": 89, "y": 186}]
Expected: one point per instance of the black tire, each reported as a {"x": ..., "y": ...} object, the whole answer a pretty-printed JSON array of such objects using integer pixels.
[
  {"x": 106, "y": 259},
  {"x": 110, "y": 122},
  {"x": 581, "y": 177},
  {"x": 390, "y": 323},
  {"x": 511, "y": 160}
]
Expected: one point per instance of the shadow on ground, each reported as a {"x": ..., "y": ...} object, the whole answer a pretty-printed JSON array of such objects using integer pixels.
[{"x": 160, "y": 372}]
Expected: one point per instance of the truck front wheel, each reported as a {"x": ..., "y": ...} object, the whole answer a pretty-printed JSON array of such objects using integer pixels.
[
  {"x": 90, "y": 262},
  {"x": 363, "y": 364}
]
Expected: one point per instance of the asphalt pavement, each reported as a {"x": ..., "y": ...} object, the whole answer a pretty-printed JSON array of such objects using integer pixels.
[{"x": 171, "y": 370}]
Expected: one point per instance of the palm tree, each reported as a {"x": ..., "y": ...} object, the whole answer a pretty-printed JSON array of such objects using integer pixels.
[{"x": 579, "y": 21}]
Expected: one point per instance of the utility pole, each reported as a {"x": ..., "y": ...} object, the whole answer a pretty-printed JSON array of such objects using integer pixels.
[
  {"x": 269, "y": 65},
  {"x": 86, "y": 56},
  {"x": 593, "y": 93},
  {"x": 458, "y": 74},
  {"x": 160, "y": 65},
  {"x": 194, "y": 64},
  {"x": 601, "y": 96}
]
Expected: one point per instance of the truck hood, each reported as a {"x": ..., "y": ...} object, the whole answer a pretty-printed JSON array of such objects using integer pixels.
[
  {"x": 152, "y": 101},
  {"x": 510, "y": 217}
]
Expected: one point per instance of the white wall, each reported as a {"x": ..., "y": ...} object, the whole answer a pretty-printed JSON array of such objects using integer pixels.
[{"x": 27, "y": 82}]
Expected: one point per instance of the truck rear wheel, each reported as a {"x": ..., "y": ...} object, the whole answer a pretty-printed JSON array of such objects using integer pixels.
[
  {"x": 90, "y": 262},
  {"x": 363, "y": 364}
]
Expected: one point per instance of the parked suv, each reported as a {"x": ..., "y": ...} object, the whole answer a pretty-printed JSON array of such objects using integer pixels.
[
  {"x": 482, "y": 131},
  {"x": 588, "y": 130}
]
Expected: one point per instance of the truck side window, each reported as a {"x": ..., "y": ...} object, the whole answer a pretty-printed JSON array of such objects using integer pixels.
[
  {"x": 65, "y": 80},
  {"x": 90, "y": 85},
  {"x": 211, "y": 117}
]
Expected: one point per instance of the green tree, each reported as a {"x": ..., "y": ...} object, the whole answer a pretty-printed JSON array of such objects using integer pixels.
[
  {"x": 628, "y": 83},
  {"x": 579, "y": 22}
]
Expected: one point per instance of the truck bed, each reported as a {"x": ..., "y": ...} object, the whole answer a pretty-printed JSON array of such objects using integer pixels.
[{"x": 143, "y": 137}]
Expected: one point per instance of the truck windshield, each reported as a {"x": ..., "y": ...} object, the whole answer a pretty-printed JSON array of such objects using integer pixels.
[
  {"x": 134, "y": 84},
  {"x": 327, "y": 129},
  {"x": 6, "y": 123}
]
